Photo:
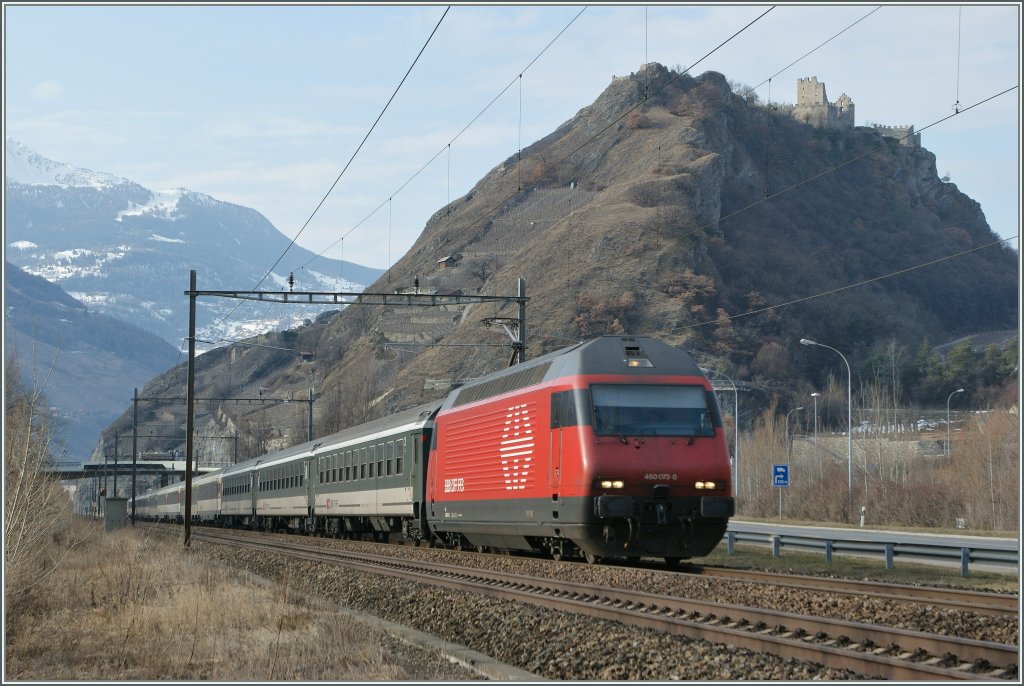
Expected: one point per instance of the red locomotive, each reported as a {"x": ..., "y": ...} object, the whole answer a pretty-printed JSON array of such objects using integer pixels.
[{"x": 610, "y": 448}]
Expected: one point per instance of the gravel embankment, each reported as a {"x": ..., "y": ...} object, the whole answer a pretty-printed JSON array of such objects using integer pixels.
[{"x": 557, "y": 645}]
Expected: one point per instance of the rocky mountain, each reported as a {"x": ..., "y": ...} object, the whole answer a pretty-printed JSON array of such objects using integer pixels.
[
  {"x": 126, "y": 251},
  {"x": 86, "y": 364},
  {"x": 670, "y": 207}
]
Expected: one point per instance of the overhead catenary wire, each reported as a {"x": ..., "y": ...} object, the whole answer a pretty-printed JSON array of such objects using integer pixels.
[
  {"x": 959, "y": 16},
  {"x": 840, "y": 289},
  {"x": 806, "y": 180},
  {"x": 342, "y": 173},
  {"x": 503, "y": 201},
  {"x": 839, "y": 166},
  {"x": 847, "y": 287},
  {"x": 457, "y": 136}
]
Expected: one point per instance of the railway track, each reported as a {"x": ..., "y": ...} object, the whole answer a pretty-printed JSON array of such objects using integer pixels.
[
  {"x": 872, "y": 650},
  {"x": 946, "y": 598}
]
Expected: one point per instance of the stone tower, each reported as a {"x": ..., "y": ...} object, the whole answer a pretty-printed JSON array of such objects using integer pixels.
[{"x": 813, "y": 107}]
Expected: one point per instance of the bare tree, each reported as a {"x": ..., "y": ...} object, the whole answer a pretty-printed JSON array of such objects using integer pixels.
[
  {"x": 36, "y": 508},
  {"x": 482, "y": 268}
]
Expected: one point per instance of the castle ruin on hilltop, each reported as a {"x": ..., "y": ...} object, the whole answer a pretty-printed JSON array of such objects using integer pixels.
[{"x": 812, "y": 107}]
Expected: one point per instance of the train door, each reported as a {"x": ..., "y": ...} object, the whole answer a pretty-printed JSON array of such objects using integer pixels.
[
  {"x": 254, "y": 484},
  {"x": 431, "y": 465},
  {"x": 563, "y": 416},
  {"x": 310, "y": 498}
]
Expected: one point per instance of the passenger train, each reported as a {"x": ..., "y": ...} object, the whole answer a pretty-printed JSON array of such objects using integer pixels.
[{"x": 612, "y": 448}]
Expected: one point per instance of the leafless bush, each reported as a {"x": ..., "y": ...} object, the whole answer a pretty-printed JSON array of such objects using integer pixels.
[
  {"x": 36, "y": 508},
  {"x": 984, "y": 471}
]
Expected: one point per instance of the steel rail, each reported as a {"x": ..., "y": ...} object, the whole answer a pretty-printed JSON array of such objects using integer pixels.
[
  {"x": 954, "y": 599},
  {"x": 902, "y": 654}
]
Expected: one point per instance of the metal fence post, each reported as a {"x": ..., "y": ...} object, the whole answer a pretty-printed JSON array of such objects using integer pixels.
[
  {"x": 828, "y": 552},
  {"x": 889, "y": 553},
  {"x": 776, "y": 545},
  {"x": 730, "y": 543},
  {"x": 965, "y": 558}
]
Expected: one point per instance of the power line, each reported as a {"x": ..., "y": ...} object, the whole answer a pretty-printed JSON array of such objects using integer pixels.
[
  {"x": 849, "y": 286},
  {"x": 837, "y": 167},
  {"x": 501, "y": 203},
  {"x": 347, "y": 165},
  {"x": 457, "y": 136}
]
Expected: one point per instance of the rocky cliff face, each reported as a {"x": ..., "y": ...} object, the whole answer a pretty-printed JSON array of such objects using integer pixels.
[{"x": 672, "y": 207}]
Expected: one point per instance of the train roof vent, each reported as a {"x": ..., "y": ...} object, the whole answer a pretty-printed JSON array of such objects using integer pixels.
[
  {"x": 504, "y": 383},
  {"x": 635, "y": 357}
]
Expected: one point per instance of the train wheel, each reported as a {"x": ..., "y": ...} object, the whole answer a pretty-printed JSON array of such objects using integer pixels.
[
  {"x": 591, "y": 558},
  {"x": 557, "y": 557}
]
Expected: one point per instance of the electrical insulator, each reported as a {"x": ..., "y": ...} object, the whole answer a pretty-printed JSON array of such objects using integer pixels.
[{"x": 291, "y": 281}]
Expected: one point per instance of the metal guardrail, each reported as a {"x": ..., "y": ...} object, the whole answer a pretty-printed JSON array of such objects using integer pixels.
[{"x": 927, "y": 552}]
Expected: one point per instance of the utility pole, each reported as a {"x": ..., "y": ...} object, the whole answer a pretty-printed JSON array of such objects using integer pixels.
[
  {"x": 190, "y": 396},
  {"x": 116, "y": 437},
  {"x": 135, "y": 447},
  {"x": 521, "y": 344},
  {"x": 309, "y": 417}
]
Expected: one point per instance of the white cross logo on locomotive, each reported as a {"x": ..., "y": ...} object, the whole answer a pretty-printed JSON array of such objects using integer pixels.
[{"x": 516, "y": 448}]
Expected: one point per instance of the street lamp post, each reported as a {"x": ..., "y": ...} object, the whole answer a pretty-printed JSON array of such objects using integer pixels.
[
  {"x": 789, "y": 441},
  {"x": 959, "y": 390},
  {"x": 849, "y": 417},
  {"x": 817, "y": 458},
  {"x": 736, "y": 436}
]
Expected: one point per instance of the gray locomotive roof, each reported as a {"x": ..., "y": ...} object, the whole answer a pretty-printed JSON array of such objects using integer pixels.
[{"x": 603, "y": 355}]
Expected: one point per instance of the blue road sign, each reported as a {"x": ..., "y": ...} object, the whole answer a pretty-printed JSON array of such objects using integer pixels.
[{"x": 780, "y": 475}]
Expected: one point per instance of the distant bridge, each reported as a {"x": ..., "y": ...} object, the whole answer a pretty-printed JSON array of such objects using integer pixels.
[{"x": 85, "y": 470}]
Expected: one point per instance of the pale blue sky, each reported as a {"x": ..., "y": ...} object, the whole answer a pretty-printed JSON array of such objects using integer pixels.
[{"x": 264, "y": 105}]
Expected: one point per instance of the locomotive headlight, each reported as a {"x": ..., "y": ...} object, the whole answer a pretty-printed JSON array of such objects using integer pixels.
[
  {"x": 706, "y": 485},
  {"x": 608, "y": 483}
]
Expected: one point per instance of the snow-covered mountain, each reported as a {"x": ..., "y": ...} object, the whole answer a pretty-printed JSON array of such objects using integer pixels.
[
  {"x": 30, "y": 168},
  {"x": 126, "y": 251}
]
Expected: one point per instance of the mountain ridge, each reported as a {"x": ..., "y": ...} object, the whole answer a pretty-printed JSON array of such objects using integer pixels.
[
  {"x": 116, "y": 246},
  {"x": 671, "y": 207}
]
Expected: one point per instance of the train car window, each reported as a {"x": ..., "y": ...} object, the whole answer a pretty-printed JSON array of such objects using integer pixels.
[
  {"x": 391, "y": 466},
  {"x": 651, "y": 410},
  {"x": 371, "y": 470},
  {"x": 389, "y": 449},
  {"x": 398, "y": 464},
  {"x": 362, "y": 471},
  {"x": 380, "y": 467},
  {"x": 400, "y": 447}
]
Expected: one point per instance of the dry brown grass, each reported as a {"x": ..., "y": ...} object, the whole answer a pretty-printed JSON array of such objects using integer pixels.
[{"x": 129, "y": 606}]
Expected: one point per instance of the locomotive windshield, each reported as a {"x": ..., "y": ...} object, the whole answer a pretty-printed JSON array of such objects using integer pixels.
[{"x": 648, "y": 410}]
